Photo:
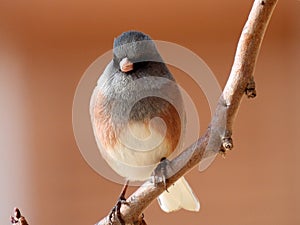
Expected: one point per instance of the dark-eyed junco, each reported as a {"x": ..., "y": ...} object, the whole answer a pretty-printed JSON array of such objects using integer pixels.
[{"x": 137, "y": 116}]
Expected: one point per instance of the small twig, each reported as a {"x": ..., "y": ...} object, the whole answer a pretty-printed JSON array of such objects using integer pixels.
[
  {"x": 218, "y": 135},
  {"x": 18, "y": 218},
  {"x": 250, "y": 89}
]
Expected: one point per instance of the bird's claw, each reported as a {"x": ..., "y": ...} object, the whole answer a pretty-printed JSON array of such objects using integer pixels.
[
  {"x": 116, "y": 210},
  {"x": 159, "y": 176}
]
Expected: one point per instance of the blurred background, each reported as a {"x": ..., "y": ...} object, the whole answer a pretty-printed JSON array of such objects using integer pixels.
[{"x": 45, "y": 47}]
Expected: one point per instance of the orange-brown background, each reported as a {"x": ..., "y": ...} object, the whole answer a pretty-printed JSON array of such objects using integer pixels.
[{"x": 45, "y": 47}]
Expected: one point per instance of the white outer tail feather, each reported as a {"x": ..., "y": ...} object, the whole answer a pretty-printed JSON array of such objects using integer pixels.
[{"x": 179, "y": 195}]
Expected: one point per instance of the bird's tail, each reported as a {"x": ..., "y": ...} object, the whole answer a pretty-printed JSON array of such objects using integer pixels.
[{"x": 179, "y": 195}]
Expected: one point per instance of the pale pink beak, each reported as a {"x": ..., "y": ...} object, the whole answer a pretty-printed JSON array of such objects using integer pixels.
[{"x": 126, "y": 65}]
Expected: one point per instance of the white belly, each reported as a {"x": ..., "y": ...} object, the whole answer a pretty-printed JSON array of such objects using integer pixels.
[{"x": 138, "y": 150}]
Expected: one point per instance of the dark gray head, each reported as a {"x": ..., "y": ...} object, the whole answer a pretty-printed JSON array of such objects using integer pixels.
[{"x": 134, "y": 47}]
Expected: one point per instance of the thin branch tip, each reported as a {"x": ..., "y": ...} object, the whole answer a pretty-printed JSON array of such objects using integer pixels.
[{"x": 18, "y": 218}]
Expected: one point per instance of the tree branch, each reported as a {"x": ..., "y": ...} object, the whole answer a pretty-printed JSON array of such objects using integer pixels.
[
  {"x": 18, "y": 218},
  {"x": 218, "y": 135}
]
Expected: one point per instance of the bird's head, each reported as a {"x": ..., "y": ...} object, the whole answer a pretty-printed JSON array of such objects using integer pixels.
[{"x": 132, "y": 48}]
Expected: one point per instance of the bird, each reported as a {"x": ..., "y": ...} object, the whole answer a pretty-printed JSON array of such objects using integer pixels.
[{"x": 138, "y": 118}]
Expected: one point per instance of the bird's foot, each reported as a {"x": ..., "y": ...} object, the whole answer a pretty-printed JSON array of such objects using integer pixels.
[
  {"x": 116, "y": 210},
  {"x": 160, "y": 175}
]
